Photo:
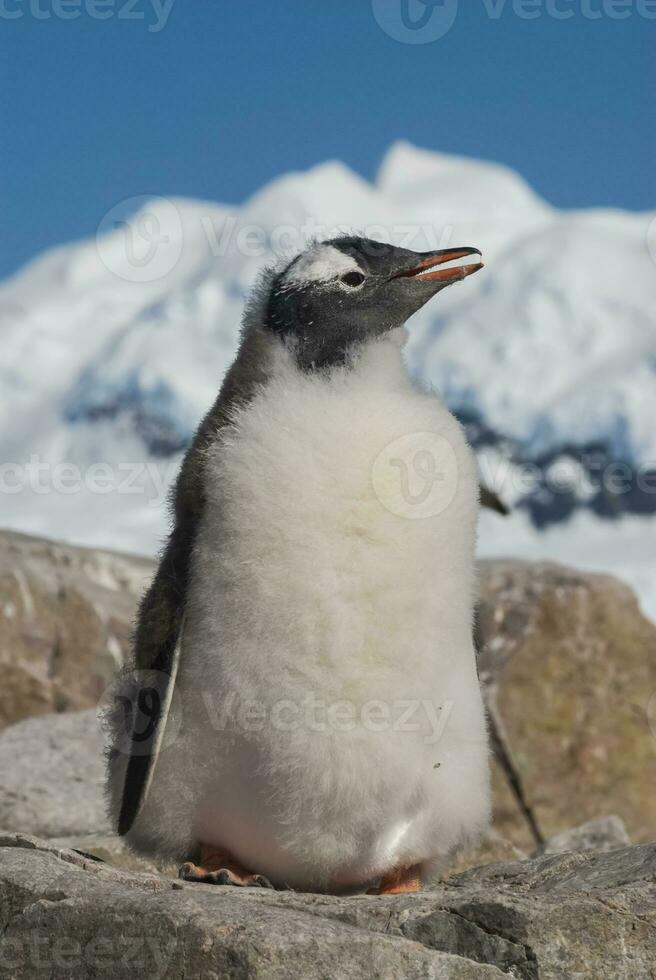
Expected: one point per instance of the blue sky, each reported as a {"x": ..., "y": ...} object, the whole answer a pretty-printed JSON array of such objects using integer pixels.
[{"x": 230, "y": 93}]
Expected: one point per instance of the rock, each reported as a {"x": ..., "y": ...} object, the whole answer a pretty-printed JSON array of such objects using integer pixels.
[
  {"x": 51, "y": 776},
  {"x": 493, "y": 849},
  {"x": 570, "y": 663},
  {"x": 602, "y": 834},
  {"x": 585, "y": 915},
  {"x": 65, "y": 620},
  {"x": 113, "y": 850}
]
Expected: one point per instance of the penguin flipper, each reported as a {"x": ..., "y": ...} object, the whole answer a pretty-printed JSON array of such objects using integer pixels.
[{"x": 147, "y": 691}]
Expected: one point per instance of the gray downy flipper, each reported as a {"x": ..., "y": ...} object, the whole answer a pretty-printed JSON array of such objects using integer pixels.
[
  {"x": 147, "y": 695},
  {"x": 140, "y": 717},
  {"x": 148, "y": 714}
]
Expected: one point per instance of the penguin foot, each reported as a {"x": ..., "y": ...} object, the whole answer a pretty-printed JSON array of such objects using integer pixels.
[
  {"x": 219, "y": 867},
  {"x": 401, "y": 881},
  {"x": 221, "y": 876}
]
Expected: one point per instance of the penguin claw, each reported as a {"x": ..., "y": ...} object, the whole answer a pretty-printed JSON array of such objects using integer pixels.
[
  {"x": 261, "y": 881},
  {"x": 222, "y": 876}
]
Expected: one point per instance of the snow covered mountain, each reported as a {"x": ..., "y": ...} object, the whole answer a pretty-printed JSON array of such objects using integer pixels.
[{"x": 114, "y": 348}]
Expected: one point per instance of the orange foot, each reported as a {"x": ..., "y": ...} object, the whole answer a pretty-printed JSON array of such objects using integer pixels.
[
  {"x": 401, "y": 881},
  {"x": 219, "y": 867}
]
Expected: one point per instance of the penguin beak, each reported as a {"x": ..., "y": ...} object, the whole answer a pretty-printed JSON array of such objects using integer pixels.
[{"x": 442, "y": 266}]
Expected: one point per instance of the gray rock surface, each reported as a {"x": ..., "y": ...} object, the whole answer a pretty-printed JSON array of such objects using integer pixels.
[
  {"x": 602, "y": 834},
  {"x": 51, "y": 776},
  {"x": 583, "y": 915}
]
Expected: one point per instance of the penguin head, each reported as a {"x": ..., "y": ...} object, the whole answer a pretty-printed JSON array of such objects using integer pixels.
[{"x": 340, "y": 293}]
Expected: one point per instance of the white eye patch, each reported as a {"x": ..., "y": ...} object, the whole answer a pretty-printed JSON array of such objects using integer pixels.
[{"x": 319, "y": 264}]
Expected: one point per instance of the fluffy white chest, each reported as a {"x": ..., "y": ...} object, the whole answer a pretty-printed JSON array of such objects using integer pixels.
[
  {"x": 327, "y": 669},
  {"x": 338, "y": 535}
]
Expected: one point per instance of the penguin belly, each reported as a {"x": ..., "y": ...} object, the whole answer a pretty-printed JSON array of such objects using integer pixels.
[{"x": 328, "y": 717}]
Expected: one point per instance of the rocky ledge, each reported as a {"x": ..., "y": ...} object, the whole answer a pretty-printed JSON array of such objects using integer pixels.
[{"x": 581, "y": 915}]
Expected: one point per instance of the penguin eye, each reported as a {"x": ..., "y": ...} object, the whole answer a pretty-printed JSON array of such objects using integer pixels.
[{"x": 352, "y": 279}]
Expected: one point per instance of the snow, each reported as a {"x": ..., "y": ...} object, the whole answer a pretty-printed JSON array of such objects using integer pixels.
[{"x": 113, "y": 348}]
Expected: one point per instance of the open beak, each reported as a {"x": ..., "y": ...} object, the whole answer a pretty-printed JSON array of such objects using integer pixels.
[{"x": 443, "y": 266}]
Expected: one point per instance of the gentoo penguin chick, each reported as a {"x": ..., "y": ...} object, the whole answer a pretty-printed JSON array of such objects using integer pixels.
[{"x": 304, "y": 708}]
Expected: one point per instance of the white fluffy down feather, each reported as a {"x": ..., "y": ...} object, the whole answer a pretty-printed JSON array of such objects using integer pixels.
[{"x": 328, "y": 722}]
